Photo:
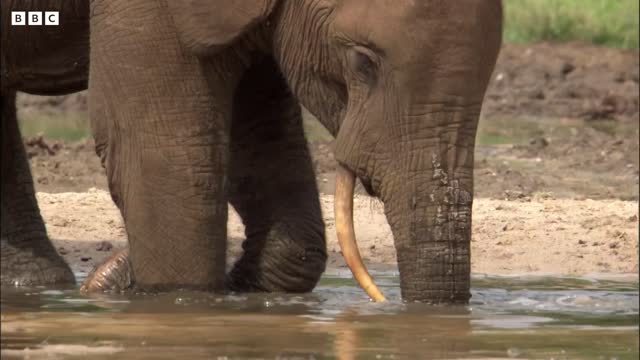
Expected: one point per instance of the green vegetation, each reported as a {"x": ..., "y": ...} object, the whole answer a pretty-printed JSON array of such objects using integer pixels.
[
  {"x": 66, "y": 126},
  {"x": 314, "y": 130},
  {"x": 74, "y": 126},
  {"x": 500, "y": 131},
  {"x": 603, "y": 22}
]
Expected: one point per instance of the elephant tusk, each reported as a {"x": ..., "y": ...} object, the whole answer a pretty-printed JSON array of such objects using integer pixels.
[{"x": 343, "y": 207}]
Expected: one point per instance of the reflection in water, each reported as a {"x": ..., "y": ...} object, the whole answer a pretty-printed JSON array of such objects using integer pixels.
[
  {"x": 346, "y": 340},
  {"x": 406, "y": 334},
  {"x": 530, "y": 317}
]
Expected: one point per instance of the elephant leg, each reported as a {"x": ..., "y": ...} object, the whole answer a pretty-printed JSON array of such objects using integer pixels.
[
  {"x": 273, "y": 188},
  {"x": 28, "y": 257},
  {"x": 164, "y": 146},
  {"x": 113, "y": 275}
]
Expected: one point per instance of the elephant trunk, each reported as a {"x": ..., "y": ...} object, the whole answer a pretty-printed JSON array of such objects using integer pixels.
[
  {"x": 432, "y": 241},
  {"x": 428, "y": 205},
  {"x": 428, "y": 192}
]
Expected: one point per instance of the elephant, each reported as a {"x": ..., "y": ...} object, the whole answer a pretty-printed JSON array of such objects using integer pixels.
[
  {"x": 196, "y": 103},
  {"x": 40, "y": 60}
]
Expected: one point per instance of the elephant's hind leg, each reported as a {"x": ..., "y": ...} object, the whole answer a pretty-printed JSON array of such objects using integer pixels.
[
  {"x": 273, "y": 188},
  {"x": 28, "y": 257}
]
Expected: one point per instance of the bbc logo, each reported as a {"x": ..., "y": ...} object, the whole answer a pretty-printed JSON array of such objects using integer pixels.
[{"x": 20, "y": 18}]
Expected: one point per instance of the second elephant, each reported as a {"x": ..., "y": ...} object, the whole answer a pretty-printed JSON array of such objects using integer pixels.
[{"x": 40, "y": 60}]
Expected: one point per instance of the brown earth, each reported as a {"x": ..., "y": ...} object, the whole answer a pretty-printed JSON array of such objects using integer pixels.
[
  {"x": 574, "y": 161},
  {"x": 571, "y": 237},
  {"x": 565, "y": 81},
  {"x": 556, "y": 176}
]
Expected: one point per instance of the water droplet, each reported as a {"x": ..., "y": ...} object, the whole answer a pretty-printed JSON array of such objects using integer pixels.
[
  {"x": 180, "y": 301},
  {"x": 513, "y": 352}
]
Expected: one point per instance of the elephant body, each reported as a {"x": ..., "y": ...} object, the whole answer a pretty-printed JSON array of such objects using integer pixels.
[
  {"x": 41, "y": 60},
  {"x": 196, "y": 103}
]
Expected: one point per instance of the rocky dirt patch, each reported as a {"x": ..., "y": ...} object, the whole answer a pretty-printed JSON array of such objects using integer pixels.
[{"x": 564, "y": 81}]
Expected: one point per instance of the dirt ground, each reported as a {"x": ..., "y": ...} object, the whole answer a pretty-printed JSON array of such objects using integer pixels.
[
  {"x": 565, "y": 81},
  {"x": 556, "y": 176},
  {"x": 573, "y": 237}
]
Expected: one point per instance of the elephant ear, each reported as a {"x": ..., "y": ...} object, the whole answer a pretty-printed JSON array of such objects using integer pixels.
[{"x": 206, "y": 26}]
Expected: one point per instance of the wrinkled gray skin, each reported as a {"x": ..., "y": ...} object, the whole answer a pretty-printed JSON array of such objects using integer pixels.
[
  {"x": 197, "y": 102},
  {"x": 41, "y": 60}
]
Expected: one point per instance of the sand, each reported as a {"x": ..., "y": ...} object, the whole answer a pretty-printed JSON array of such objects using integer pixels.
[{"x": 540, "y": 236}]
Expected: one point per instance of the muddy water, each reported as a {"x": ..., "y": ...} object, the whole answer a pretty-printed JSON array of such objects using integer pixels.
[{"x": 515, "y": 317}]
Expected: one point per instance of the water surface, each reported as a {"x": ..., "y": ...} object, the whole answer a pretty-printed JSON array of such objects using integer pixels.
[{"x": 509, "y": 317}]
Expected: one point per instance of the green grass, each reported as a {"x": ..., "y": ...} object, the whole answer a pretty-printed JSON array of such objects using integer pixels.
[
  {"x": 74, "y": 126},
  {"x": 500, "y": 131},
  {"x": 314, "y": 131},
  {"x": 69, "y": 127},
  {"x": 603, "y": 22}
]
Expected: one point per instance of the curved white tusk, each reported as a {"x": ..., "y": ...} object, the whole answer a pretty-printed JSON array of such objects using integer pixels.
[{"x": 343, "y": 207}]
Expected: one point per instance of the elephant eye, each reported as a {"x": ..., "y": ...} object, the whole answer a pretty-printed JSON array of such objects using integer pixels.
[{"x": 362, "y": 63}]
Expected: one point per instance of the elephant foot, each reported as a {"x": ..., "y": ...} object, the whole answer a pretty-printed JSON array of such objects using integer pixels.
[
  {"x": 115, "y": 274},
  {"x": 278, "y": 264},
  {"x": 37, "y": 265}
]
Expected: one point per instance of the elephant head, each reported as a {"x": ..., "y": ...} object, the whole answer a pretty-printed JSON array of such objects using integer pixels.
[{"x": 400, "y": 84}]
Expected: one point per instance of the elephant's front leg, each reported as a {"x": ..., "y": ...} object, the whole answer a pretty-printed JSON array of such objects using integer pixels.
[
  {"x": 273, "y": 188},
  {"x": 164, "y": 147}
]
